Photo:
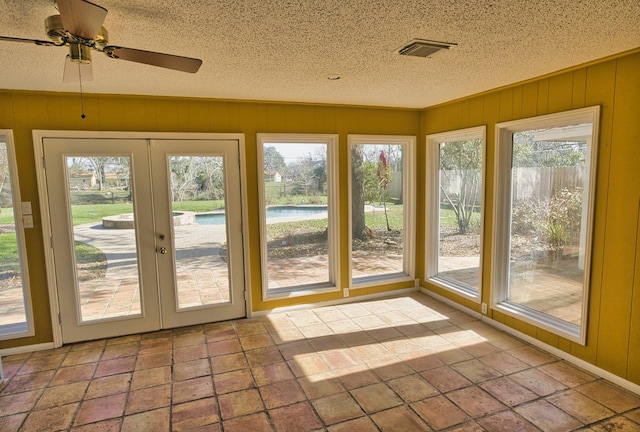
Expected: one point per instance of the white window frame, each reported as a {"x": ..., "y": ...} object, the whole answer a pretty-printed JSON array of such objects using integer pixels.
[
  {"x": 26, "y": 329},
  {"x": 409, "y": 202},
  {"x": 502, "y": 219},
  {"x": 333, "y": 214},
  {"x": 432, "y": 210}
]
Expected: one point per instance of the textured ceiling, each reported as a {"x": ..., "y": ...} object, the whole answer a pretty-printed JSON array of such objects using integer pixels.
[{"x": 280, "y": 50}]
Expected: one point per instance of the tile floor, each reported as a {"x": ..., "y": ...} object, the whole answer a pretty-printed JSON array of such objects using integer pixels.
[{"x": 406, "y": 363}]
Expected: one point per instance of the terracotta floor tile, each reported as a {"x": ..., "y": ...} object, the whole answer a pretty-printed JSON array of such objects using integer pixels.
[
  {"x": 120, "y": 350},
  {"x": 531, "y": 355},
  {"x": 617, "y": 424},
  {"x": 254, "y": 423},
  {"x": 538, "y": 382},
  {"x": 506, "y": 420},
  {"x": 51, "y": 419},
  {"x": 33, "y": 381},
  {"x": 75, "y": 358},
  {"x": 579, "y": 406},
  {"x": 504, "y": 363},
  {"x": 228, "y": 363},
  {"x": 233, "y": 381},
  {"x": 611, "y": 396},
  {"x": 240, "y": 403},
  {"x": 320, "y": 385},
  {"x": 439, "y": 412},
  {"x": 445, "y": 379},
  {"x": 256, "y": 341},
  {"x": 109, "y": 385},
  {"x": 547, "y": 417},
  {"x": 356, "y": 376},
  {"x": 420, "y": 361},
  {"x": 263, "y": 356},
  {"x": 71, "y": 374},
  {"x": 94, "y": 410},
  {"x": 475, "y": 401},
  {"x": 154, "y": 360},
  {"x": 418, "y": 364},
  {"x": 390, "y": 368},
  {"x": 376, "y": 397},
  {"x": 249, "y": 327},
  {"x": 308, "y": 364},
  {"x": 272, "y": 373},
  {"x": 282, "y": 393},
  {"x": 156, "y": 420},
  {"x": 412, "y": 388},
  {"x": 40, "y": 364},
  {"x": 224, "y": 347},
  {"x": 148, "y": 399},
  {"x": 188, "y": 353},
  {"x": 191, "y": 415},
  {"x": 19, "y": 402},
  {"x": 61, "y": 395},
  {"x": 337, "y": 408},
  {"x": 191, "y": 369},
  {"x": 398, "y": 419},
  {"x": 151, "y": 377},
  {"x": 566, "y": 374},
  {"x": 295, "y": 418},
  {"x": 11, "y": 423},
  {"x": 362, "y": 424},
  {"x": 196, "y": 388},
  {"x": 115, "y": 366},
  {"x": 476, "y": 371}
]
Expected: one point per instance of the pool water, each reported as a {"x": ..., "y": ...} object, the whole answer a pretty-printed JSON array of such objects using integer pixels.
[{"x": 272, "y": 212}]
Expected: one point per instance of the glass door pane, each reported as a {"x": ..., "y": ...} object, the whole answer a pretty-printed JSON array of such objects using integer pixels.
[
  {"x": 104, "y": 236},
  {"x": 101, "y": 219},
  {"x": 200, "y": 227},
  {"x": 198, "y": 223}
]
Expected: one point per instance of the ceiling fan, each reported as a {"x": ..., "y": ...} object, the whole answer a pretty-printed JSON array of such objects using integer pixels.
[{"x": 79, "y": 26}]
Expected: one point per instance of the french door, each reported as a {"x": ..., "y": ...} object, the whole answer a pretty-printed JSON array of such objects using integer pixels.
[{"x": 131, "y": 250}]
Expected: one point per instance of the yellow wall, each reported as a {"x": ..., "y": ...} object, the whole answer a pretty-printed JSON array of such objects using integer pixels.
[
  {"x": 23, "y": 112},
  {"x": 613, "y": 338}
]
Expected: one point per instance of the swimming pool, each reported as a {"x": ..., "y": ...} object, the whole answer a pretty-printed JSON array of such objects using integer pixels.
[{"x": 272, "y": 212}]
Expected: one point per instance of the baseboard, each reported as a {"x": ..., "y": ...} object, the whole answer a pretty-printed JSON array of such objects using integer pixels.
[
  {"x": 26, "y": 349},
  {"x": 394, "y": 293},
  {"x": 633, "y": 387}
]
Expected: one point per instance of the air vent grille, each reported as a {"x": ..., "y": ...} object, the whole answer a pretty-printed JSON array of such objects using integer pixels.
[{"x": 423, "y": 48}]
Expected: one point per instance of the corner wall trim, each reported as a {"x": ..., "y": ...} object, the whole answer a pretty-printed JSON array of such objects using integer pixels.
[
  {"x": 633, "y": 387},
  {"x": 27, "y": 349}
]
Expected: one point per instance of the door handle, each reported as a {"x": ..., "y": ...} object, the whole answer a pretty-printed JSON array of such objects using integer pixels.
[{"x": 162, "y": 250}]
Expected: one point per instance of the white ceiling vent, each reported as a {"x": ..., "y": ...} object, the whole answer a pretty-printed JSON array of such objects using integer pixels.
[{"x": 424, "y": 48}]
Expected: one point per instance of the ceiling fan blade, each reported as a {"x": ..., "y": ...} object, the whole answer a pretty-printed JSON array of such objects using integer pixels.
[
  {"x": 34, "y": 41},
  {"x": 74, "y": 71},
  {"x": 169, "y": 61},
  {"x": 81, "y": 18}
]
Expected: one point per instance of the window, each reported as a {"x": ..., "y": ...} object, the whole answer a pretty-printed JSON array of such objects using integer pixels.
[
  {"x": 15, "y": 301},
  {"x": 382, "y": 202},
  {"x": 454, "y": 211},
  {"x": 545, "y": 176},
  {"x": 298, "y": 213}
]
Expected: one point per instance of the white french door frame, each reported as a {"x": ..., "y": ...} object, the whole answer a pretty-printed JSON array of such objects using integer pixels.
[{"x": 45, "y": 213}]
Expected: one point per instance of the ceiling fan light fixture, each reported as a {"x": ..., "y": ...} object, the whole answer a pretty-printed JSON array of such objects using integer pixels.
[
  {"x": 79, "y": 53},
  {"x": 424, "y": 48}
]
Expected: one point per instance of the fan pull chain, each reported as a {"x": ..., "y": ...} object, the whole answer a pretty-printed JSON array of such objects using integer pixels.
[{"x": 82, "y": 116}]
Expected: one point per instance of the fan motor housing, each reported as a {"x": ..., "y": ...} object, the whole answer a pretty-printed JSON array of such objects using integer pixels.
[{"x": 56, "y": 32}]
